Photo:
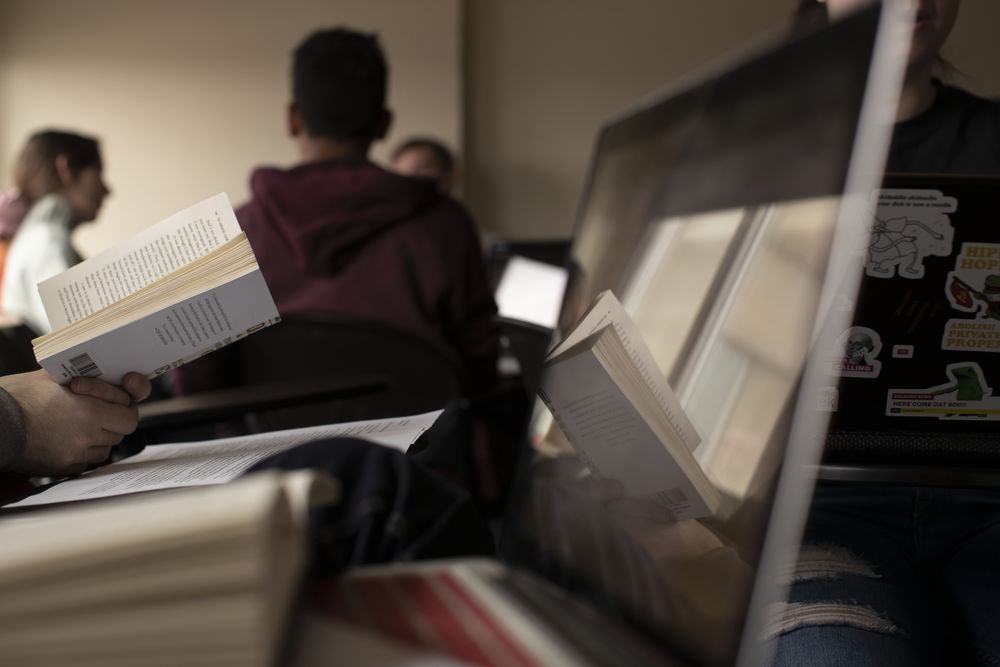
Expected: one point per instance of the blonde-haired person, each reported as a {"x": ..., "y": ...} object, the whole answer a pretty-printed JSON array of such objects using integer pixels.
[{"x": 59, "y": 176}]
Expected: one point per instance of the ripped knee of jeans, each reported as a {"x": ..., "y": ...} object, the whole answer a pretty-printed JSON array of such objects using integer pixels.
[
  {"x": 818, "y": 561},
  {"x": 783, "y": 617},
  {"x": 829, "y": 563}
]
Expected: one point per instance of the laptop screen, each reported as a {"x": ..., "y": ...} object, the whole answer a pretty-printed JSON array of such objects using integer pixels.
[{"x": 710, "y": 213}]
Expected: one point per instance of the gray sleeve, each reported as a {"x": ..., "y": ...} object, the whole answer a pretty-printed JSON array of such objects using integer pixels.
[{"x": 12, "y": 434}]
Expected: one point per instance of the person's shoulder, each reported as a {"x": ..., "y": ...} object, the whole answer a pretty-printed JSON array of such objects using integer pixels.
[
  {"x": 959, "y": 98},
  {"x": 451, "y": 218},
  {"x": 52, "y": 209},
  {"x": 446, "y": 205},
  {"x": 259, "y": 180},
  {"x": 45, "y": 225}
]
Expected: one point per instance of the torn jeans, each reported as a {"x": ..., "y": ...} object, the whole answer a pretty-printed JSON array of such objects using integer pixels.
[{"x": 893, "y": 576}]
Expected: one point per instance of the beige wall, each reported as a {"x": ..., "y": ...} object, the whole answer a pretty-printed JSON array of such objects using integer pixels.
[
  {"x": 973, "y": 48},
  {"x": 188, "y": 95},
  {"x": 543, "y": 74}
]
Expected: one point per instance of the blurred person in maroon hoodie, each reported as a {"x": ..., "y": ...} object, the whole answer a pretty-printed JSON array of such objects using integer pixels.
[{"x": 338, "y": 233}]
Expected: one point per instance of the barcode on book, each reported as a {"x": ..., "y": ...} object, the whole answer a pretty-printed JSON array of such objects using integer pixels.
[
  {"x": 84, "y": 365},
  {"x": 672, "y": 497}
]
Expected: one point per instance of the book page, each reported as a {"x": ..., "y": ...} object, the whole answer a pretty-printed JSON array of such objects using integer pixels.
[
  {"x": 607, "y": 310},
  {"x": 141, "y": 260},
  {"x": 215, "y": 461}
]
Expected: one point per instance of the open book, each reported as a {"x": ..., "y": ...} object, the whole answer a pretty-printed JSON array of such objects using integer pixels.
[
  {"x": 197, "y": 576},
  {"x": 174, "y": 292},
  {"x": 613, "y": 404}
]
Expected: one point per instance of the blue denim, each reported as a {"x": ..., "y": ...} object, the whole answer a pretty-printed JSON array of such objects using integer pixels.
[{"x": 899, "y": 576}]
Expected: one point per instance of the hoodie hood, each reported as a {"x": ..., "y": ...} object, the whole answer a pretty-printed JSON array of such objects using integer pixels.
[{"x": 324, "y": 212}]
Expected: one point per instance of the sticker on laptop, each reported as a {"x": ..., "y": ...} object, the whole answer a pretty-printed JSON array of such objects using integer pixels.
[
  {"x": 858, "y": 349},
  {"x": 909, "y": 226},
  {"x": 965, "y": 396},
  {"x": 973, "y": 287}
]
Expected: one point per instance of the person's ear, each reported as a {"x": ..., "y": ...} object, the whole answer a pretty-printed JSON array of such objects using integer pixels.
[
  {"x": 294, "y": 120},
  {"x": 384, "y": 123},
  {"x": 63, "y": 170}
]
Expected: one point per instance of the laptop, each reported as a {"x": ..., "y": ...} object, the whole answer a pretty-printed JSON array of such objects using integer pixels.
[
  {"x": 716, "y": 212},
  {"x": 913, "y": 376}
]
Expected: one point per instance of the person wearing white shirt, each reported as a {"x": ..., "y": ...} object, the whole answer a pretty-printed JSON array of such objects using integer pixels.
[{"x": 59, "y": 175}]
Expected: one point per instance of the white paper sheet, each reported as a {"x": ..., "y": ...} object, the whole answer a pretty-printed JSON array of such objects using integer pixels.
[{"x": 215, "y": 461}]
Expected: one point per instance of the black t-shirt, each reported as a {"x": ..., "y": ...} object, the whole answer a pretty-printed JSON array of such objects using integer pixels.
[{"x": 959, "y": 134}]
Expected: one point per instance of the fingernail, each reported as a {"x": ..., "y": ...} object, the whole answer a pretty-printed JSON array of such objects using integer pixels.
[{"x": 84, "y": 384}]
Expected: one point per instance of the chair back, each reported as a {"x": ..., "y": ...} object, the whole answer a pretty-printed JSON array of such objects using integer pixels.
[
  {"x": 16, "y": 353},
  {"x": 305, "y": 346}
]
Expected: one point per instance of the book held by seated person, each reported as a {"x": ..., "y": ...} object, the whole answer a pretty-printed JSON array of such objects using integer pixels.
[
  {"x": 611, "y": 401},
  {"x": 174, "y": 292}
]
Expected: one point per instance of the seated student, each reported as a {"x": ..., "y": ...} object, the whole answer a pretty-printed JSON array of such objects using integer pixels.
[
  {"x": 337, "y": 233},
  {"x": 893, "y": 574},
  {"x": 422, "y": 157},
  {"x": 48, "y": 429},
  {"x": 58, "y": 175}
]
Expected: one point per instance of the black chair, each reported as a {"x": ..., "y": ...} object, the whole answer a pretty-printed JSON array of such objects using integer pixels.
[
  {"x": 528, "y": 344},
  {"x": 16, "y": 353},
  {"x": 314, "y": 345},
  {"x": 309, "y": 369}
]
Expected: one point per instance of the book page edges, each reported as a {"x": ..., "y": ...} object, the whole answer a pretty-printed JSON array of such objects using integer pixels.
[
  {"x": 224, "y": 265},
  {"x": 262, "y": 516},
  {"x": 69, "y": 538}
]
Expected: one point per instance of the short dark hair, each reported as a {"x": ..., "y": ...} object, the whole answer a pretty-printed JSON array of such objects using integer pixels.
[
  {"x": 445, "y": 160},
  {"x": 35, "y": 172},
  {"x": 338, "y": 84}
]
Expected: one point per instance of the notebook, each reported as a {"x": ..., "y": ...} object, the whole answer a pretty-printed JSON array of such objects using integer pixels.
[
  {"x": 912, "y": 378},
  {"x": 716, "y": 212}
]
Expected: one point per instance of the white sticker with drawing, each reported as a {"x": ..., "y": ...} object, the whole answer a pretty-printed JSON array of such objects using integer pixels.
[
  {"x": 909, "y": 226},
  {"x": 857, "y": 351}
]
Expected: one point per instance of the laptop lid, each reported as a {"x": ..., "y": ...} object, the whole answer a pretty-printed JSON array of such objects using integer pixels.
[
  {"x": 915, "y": 370},
  {"x": 715, "y": 213}
]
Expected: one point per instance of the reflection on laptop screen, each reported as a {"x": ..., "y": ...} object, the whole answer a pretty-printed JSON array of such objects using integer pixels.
[{"x": 710, "y": 213}]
